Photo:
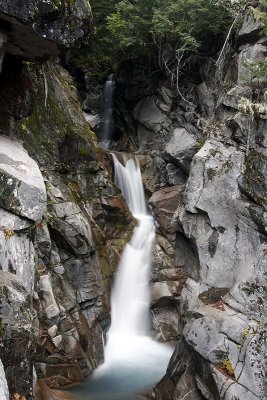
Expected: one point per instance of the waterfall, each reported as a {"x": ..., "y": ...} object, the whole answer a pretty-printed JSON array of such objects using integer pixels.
[
  {"x": 130, "y": 296},
  {"x": 106, "y": 122},
  {"x": 133, "y": 361}
]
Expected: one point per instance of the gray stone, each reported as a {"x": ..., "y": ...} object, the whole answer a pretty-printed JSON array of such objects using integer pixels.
[
  {"x": 54, "y": 191},
  {"x": 186, "y": 388},
  {"x": 254, "y": 180},
  {"x": 145, "y": 137},
  {"x": 59, "y": 269},
  {"x": 207, "y": 100},
  {"x": 52, "y": 331},
  {"x": 153, "y": 172},
  {"x": 57, "y": 340},
  {"x": 92, "y": 119},
  {"x": 22, "y": 189},
  {"x": 230, "y": 341},
  {"x": 250, "y": 29},
  {"x": 204, "y": 389},
  {"x": 149, "y": 113},
  {"x": 175, "y": 175},
  {"x": 17, "y": 346},
  {"x": 161, "y": 262},
  {"x": 214, "y": 209},
  {"x": 3, "y": 40},
  {"x": 12, "y": 222},
  {"x": 48, "y": 302},
  {"x": 205, "y": 338},
  {"x": 85, "y": 277},
  {"x": 73, "y": 227},
  {"x": 166, "y": 322},
  {"x": 159, "y": 290},
  {"x": 167, "y": 97},
  {"x": 233, "y": 96},
  {"x": 40, "y": 28},
  {"x": 249, "y": 54},
  {"x": 17, "y": 255},
  {"x": 229, "y": 389},
  {"x": 43, "y": 239},
  {"x": 181, "y": 148},
  {"x": 4, "y": 394}
]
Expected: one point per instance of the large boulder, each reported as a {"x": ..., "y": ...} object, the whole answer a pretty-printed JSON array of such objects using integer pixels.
[
  {"x": 164, "y": 203},
  {"x": 22, "y": 189},
  {"x": 181, "y": 148},
  {"x": 151, "y": 112}
]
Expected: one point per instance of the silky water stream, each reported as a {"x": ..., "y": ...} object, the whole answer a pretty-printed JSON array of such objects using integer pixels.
[{"x": 133, "y": 361}]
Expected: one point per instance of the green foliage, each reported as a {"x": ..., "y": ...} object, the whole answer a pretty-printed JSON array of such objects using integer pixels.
[
  {"x": 260, "y": 14},
  {"x": 256, "y": 71},
  {"x": 141, "y": 25},
  {"x": 129, "y": 29}
]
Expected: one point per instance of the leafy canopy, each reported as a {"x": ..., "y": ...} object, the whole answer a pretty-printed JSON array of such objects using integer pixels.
[
  {"x": 138, "y": 26},
  {"x": 129, "y": 29}
]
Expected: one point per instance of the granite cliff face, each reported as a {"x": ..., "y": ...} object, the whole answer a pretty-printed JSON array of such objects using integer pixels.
[
  {"x": 204, "y": 164},
  {"x": 63, "y": 223}
]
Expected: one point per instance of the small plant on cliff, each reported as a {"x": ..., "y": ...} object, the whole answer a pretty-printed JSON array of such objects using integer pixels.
[
  {"x": 227, "y": 367},
  {"x": 256, "y": 71},
  {"x": 260, "y": 15},
  {"x": 8, "y": 233}
]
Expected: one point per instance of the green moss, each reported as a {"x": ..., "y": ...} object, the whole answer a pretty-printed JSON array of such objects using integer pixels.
[
  {"x": 200, "y": 143},
  {"x": 211, "y": 173},
  {"x": 54, "y": 116}
]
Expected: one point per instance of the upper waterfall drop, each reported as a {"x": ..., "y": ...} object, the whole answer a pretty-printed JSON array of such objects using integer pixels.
[
  {"x": 130, "y": 296},
  {"x": 106, "y": 121},
  {"x": 129, "y": 179}
]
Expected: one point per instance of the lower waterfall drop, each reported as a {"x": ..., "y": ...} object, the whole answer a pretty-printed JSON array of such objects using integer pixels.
[{"x": 133, "y": 362}]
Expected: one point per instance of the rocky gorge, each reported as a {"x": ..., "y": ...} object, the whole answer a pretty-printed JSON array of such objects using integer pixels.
[{"x": 64, "y": 223}]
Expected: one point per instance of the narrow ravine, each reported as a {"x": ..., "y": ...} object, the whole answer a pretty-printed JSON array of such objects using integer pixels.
[{"x": 133, "y": 361}]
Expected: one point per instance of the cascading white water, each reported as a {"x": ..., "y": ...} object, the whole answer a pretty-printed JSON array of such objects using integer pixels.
[
  {"x": 130, "y": 295},
  {"x": 133, "y": 361},
  {"x": 106, "y": 122}
]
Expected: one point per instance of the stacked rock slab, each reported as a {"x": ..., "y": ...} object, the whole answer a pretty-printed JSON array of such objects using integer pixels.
[{"x": 23, "y": 203}]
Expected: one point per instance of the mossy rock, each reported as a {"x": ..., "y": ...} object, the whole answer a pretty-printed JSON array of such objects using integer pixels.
[
  {"x": 254, "y": 180},
  {"x": 56, "y": 117}
]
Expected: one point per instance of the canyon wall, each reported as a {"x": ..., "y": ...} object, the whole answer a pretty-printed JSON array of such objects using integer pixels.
[{"x": 63, "y": 223}]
